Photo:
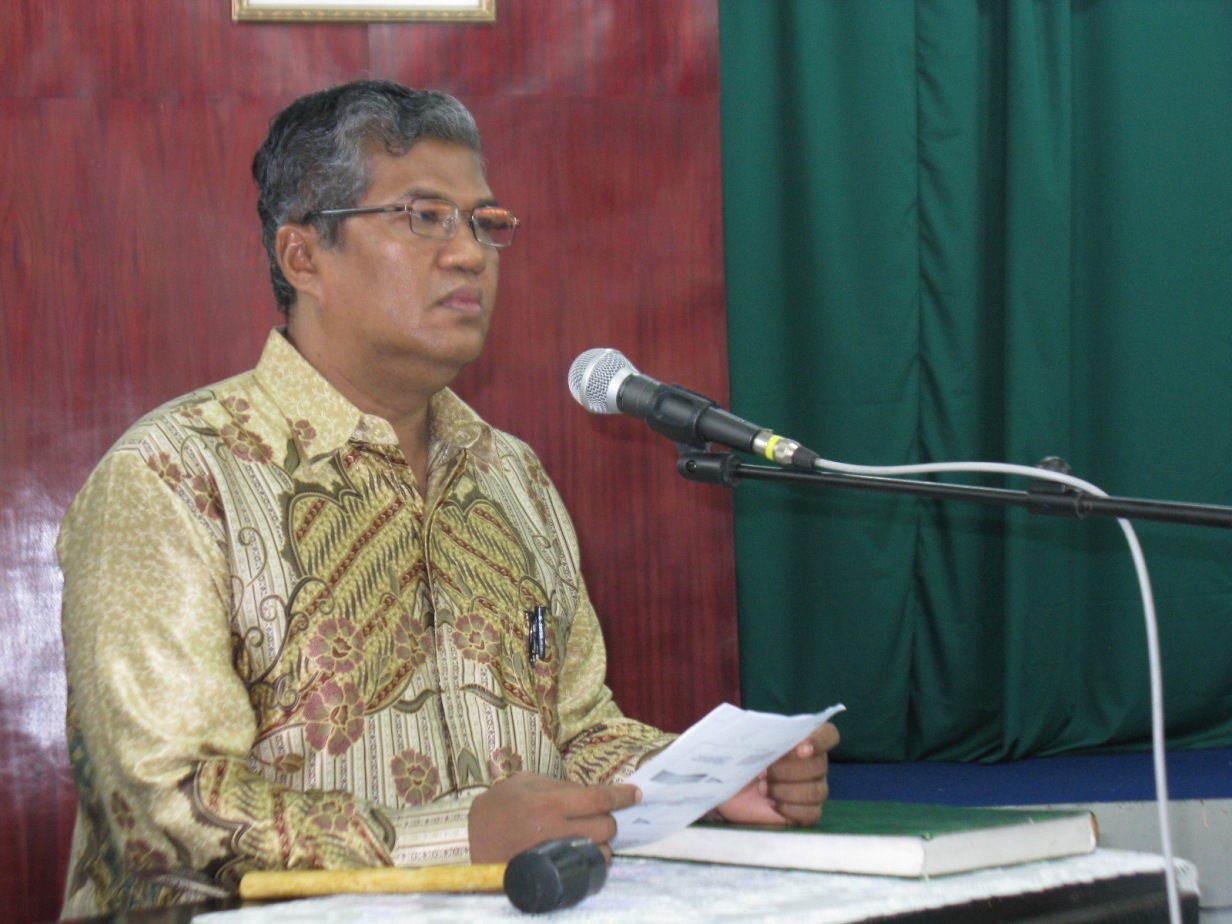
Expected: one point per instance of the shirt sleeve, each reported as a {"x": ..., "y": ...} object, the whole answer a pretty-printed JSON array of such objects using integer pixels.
[
  {"x": 598, "y": 742},
  {"x": 601, "y": 744},
  {"x": 160, "y": 724}
]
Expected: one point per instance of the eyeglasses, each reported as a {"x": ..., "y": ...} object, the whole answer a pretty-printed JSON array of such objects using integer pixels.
[{"x": 439, "y": 219}]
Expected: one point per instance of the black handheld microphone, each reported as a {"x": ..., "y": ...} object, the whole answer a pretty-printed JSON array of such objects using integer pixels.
[{"x": 604, "y": 382}]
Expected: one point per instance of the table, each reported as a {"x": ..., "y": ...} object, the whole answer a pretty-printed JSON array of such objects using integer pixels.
[{"x": 1105, "y": 886}]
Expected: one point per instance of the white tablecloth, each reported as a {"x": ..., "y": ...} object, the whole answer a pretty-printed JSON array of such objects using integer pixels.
[{"x": 644, "y": 891}]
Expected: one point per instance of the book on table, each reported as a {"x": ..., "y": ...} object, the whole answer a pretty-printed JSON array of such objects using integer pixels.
[{"x": 888, "y": 839}]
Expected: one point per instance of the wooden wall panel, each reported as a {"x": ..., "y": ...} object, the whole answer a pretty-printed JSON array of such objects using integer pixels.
[
  {"x": 168, "y": 49},
  {"x": 131, "y": 271},
  {"x": 586, "y": 48}
]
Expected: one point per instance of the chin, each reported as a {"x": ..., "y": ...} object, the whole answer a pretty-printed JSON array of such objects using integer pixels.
[{"x": 463, "y": 354}]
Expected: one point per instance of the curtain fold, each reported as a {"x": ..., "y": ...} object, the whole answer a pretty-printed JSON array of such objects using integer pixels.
[{"x": 998, "y": 231}]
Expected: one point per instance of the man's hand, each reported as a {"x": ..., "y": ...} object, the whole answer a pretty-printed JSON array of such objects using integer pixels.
[
  {"x": 527, "y": 809},
  {"x": 790, "y": 791}
]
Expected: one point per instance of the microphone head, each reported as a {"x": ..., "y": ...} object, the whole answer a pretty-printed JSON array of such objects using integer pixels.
[{"x": 595, "y": 378}]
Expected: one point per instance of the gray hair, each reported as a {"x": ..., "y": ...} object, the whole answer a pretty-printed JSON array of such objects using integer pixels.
[{"x": 317, "y": 154}]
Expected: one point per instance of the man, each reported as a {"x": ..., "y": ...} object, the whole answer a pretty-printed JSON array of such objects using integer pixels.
[{"x": 301, "y": 605}]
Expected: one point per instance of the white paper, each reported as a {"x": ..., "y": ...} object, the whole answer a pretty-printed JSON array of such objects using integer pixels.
[{"x": 706, "y": 766}]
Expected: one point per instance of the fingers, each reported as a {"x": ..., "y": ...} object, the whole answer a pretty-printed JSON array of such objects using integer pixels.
[
  {"x": 751, "y": 806},
  {"x": 791, "y": 769},
  {"x": 824, "y": 738},
  {"x": 801, "y": 816},
  {"x": 799, "y": 803},
  {"x": 573, "y": 799},
  {"x": 593, "y": 799},
  {"x": 808, "y": 760},
  {"x": 807, "y": 792},
  {"x": 588, "y": 810},
  {"x": 796, "y": 784},
  {"x": 527, "y": 809}
]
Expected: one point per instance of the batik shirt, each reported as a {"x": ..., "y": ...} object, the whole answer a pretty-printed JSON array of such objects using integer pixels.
[{"x": 280, "y": 655}]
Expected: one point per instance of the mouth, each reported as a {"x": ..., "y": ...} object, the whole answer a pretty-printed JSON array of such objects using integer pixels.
[{"x": 466, "y": 300}]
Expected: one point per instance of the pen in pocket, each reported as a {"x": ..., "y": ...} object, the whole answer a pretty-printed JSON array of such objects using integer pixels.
[{"x": 536, "y": 634}]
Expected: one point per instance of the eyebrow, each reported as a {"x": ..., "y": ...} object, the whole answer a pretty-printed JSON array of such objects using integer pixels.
[{"x": 423, "y": 193}]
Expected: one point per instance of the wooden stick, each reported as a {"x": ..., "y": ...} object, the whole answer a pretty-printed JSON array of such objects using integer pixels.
[{"x": 270, "y": 884}]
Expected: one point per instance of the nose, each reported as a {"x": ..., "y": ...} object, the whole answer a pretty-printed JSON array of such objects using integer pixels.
[{"x": 463, "y": 251}]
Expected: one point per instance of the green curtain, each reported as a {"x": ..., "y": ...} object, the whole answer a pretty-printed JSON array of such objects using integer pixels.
[{"x": 996, "y": 231}]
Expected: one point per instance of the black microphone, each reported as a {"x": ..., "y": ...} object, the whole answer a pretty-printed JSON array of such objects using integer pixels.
[
  {"x": 555, "y": 874},
  {"x": 604, "y": 382}
]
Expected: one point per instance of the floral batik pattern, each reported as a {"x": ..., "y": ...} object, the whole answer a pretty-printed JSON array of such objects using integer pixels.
[{"x": 299, "y": 659}]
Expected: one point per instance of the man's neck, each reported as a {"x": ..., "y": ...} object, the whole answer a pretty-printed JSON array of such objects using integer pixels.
[{"x": 400, "y": 393}]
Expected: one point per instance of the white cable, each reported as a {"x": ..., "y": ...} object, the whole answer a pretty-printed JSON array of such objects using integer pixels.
[{"x": 1148, "y": 607}]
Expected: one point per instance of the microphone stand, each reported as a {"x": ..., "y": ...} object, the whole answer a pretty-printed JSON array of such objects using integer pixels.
[{"x": 1046, "y": 498}]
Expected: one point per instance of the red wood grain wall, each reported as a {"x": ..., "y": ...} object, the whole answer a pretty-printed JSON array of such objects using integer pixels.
[{"x": 131, "y": 271}]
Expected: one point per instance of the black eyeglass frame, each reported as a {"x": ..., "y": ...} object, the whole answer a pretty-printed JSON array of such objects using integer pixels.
[{"x": 410, "y": 207}]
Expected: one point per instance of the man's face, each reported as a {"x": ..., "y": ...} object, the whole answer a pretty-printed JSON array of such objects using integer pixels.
[{"x": 389, "y": 295}]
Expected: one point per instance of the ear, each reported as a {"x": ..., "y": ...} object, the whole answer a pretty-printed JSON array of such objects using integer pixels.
[{"x": 296, "y": 247}]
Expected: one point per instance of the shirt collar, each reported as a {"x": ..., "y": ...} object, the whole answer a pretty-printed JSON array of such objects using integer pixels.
[{"x": 323, "y": 421}]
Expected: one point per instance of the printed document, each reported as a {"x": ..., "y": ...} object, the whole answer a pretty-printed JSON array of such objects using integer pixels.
[{"x": 706, "y": 766}]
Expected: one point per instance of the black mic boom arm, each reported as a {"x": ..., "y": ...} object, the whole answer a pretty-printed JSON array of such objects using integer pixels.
[{"x": 1046, "y": 498}]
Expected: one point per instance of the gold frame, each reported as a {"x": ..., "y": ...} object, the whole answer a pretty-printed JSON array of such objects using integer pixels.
[{"x": 326, "y": 11}]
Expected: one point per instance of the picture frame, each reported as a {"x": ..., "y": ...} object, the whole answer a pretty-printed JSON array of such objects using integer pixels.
[{"x": 372, "y": 11}]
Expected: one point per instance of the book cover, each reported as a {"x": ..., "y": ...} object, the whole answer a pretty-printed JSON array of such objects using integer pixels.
[{"x": 888, "y": 839}]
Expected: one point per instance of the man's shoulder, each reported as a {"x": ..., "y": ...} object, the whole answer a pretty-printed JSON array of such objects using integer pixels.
[
  {"x": 195, "y": 448},
  {"x": 506, "y": 449},
  {"x": 212, "y": 412},
  {"x": 511, "y": 443},
  {"x": 169, "y": 452}
]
